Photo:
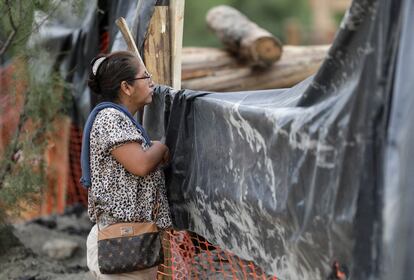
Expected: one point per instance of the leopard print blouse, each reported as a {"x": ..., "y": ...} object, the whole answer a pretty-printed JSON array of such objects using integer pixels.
[{"x": 117, "y": 195}]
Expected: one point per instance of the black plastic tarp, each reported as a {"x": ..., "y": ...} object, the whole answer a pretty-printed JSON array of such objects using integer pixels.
[{"x": 294, "y": 179}]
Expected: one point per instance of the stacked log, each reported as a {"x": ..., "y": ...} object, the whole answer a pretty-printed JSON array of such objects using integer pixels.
[
  {"x": 243, "y": 37},
  {"x": 217, "y": 70},
  {"x": 252, "y": 57}
]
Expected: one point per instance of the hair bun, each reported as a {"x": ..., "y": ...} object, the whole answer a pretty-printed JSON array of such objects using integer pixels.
[
  {"x": 93, "y": 84},
  {"x": 93, "y": 81}
]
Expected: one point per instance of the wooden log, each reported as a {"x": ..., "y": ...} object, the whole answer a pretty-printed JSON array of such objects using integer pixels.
[
  {"x": 243, "y": 37},
  {"x": 200, "y": 62},
  {"x": 296, "y": 64}
]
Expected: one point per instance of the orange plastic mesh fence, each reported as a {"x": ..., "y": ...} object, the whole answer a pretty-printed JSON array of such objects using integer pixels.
[
  {"x": 189, "y": 256},
  {"x": 75, "y": 192},
  {"x": 186, "y": 255}
]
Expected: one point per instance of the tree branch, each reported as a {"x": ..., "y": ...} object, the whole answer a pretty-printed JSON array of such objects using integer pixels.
[
  {"x": 37, "y": 26},
  {"x": 13, "y": 33},
  {"x": 8, "y": 42}
]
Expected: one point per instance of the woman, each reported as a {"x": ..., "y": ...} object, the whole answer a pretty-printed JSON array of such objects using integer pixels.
[{"x": 125, "y": 177}]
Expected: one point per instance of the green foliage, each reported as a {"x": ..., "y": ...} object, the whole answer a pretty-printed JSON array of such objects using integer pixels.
[
  {"x": 22, "y": 166},
  {"x": 269, "y": 14},
  {"x": 25, "y": 176},
  {"x": 17, "y": 17},
  {"x": 25, "y": 181}
]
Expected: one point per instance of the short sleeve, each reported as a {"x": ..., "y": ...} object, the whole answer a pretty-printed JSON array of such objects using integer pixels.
[{"x": 113, "y": 128}]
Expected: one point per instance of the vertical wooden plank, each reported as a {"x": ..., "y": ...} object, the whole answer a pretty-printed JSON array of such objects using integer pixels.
[
  {"x": 157, "y": 51},
  {"x": 157, "y": 58},
  {"x": 177, "y": 25},
  {"x": 323, "y": 23}
]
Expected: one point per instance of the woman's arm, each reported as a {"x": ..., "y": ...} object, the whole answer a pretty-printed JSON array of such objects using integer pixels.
[{"x": 137, "y": 161}]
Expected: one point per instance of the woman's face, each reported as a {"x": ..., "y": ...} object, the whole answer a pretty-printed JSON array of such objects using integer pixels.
[{"x": 143, "y": 88}]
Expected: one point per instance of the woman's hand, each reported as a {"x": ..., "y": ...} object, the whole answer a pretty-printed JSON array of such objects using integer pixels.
[{"x": 166, "y": 156}]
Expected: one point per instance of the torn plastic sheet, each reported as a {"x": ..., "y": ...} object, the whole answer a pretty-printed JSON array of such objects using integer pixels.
[{"x": 292, "y": 179}]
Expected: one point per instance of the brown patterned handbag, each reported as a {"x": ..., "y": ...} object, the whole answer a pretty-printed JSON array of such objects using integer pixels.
[{"x": 128, "y": 247}]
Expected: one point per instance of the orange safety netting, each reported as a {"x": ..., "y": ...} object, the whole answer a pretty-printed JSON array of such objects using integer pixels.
[
  {"x": 75, "y": 192},
  {"x": 189, "y": 256},
  {"x": 186, "y": 255}
]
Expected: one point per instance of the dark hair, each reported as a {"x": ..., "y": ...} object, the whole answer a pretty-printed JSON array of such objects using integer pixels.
[{"x": 117, "y": 67}]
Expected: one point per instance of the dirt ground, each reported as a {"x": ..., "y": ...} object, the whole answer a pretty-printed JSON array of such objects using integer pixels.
[{"x": 30, "y": 260}]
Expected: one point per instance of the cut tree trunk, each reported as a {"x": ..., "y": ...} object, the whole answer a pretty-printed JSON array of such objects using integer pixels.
[
  {"x": 217, "y": 70},
  {"x": 243, "y": 37}
]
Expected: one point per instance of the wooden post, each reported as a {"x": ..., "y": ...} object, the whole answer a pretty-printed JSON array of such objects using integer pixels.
[
  {"x": 162, "y": 56},
  {"x": 157, "y": 48},
  {"x": 177, "y": 24},
  {"x": 157, "y": 58},
  {"x": 323, "y": 23}
]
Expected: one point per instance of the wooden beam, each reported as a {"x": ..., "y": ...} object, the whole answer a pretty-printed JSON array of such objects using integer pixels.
[
  {"x": 200, "y": 62},
  {"x": 177, "y": 24},
  {"x": 157, "y": 58},
  {"x": 157, "y": 49},
  {"x": 132, "y": 47}
]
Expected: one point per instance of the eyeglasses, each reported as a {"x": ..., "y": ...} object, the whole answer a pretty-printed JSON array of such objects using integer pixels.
[{"x": 146, "y": 76}]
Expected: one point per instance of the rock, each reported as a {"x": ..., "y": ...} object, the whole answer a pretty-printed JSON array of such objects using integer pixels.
[
  {"x": 59, "y": 248},
  {"x": 7, "y": 238},
  {"x": 48, "y": 221},
  {"x": 27, "y": 277},
  {"x": 76, "y": 209},
  {"x": 74, "y": 225}
]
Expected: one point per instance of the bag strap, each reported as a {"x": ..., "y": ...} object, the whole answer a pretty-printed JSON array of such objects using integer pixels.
[
  {"x": 156, "y": 206},
  {"x": 94, "y": 211}
]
